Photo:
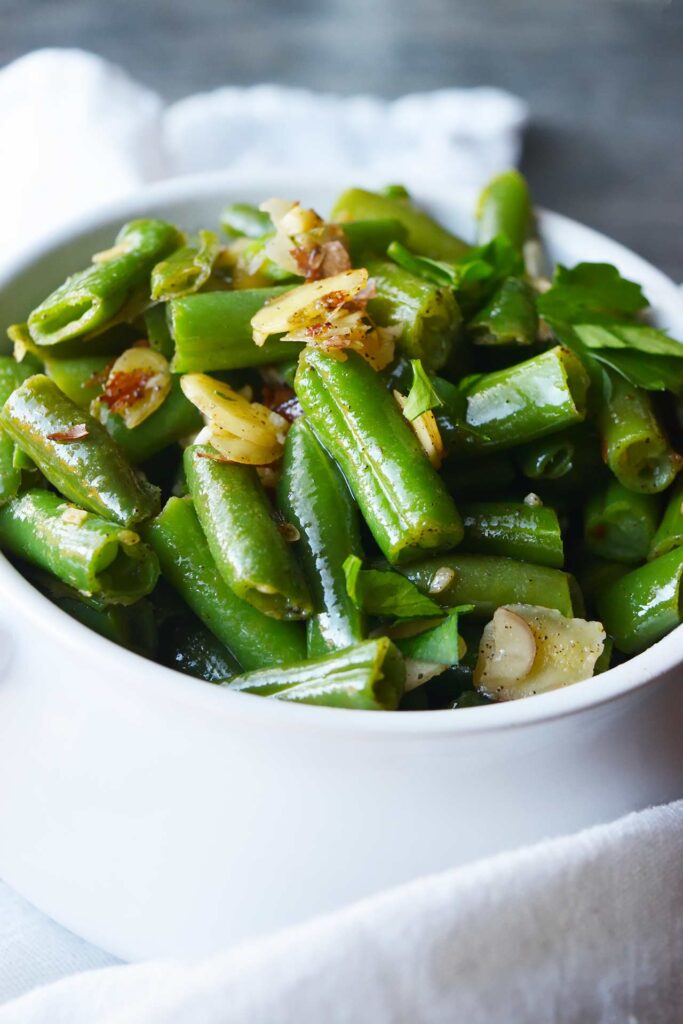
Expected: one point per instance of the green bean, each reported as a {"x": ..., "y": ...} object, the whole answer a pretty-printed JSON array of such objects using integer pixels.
[
  {"x": 175, "y": 418},
  {"x": 12, "y": 374},
  {"x": 157, "y": 330},
  {"x": 88, "y": 300},
  {"x": 255, "y": 639},
  {"x": 186, "y": 270},
  {"x": 314, "y": 497},
  {"x": 402, "y": 498},
  {"x": 368, "y": 238},
  {"x": 76, "y": 453},
  {"x": 634, "y": 445},
  {"x": 253, "y": 268},
  {"x": 508, "y": 318},
  {"x": 426, "y": 313},
  {"x": 367, "y": 677},
  {"x": 518, "y": 404},
  {"x": 193, "y": 650},
  {"x": 85, "y": 552},
  {"x": 131, "y": 626},
  {"x": 619, "y": 525},
  {"x": 212, "y": 331},
  {"x": 425, "y": 236},
  {"x": 527, "y": 532},
  {"x": 504, "y": 208},
  {"x": 669, "y": 534},
  {"x": 644, "y": 605},
  {"x": 570, "y": 456},
  {"x": 487, "y": 581},
  {"x": 250, "y": 553},
  {"x": 81, "y": 378},
  {"x": 243, "y": 219}
]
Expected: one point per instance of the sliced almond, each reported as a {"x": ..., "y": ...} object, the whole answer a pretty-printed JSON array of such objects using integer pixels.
[
  {"x": 426, "y": 429},
  {"x": 237, "y": 449},
  {"x": 137, "y": 385},
  {"x": 420, "y": 672},
  {"x": 565, "y": 651},
  {"x": 308, "y": 304},
  {"x": 229, "y": 412}
]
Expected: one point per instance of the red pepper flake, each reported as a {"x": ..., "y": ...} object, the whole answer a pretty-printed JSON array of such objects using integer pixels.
[
  {"x": 124, "y": 390},
  {"x": 75, "y": 433},
  {"x": 141, "y": 343},
  {"x": 333, "y": 300},
  {"x": 99, "y": 377},
  {"x": 214, "y": 456}
]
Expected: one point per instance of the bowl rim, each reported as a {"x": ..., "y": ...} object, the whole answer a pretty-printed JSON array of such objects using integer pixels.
[{"x": 161, "y": 682}]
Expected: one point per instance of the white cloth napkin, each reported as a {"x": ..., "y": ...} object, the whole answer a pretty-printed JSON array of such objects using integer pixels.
[
  {"x": 77, "y": 132},
  {"x": 581, "y": 930}
]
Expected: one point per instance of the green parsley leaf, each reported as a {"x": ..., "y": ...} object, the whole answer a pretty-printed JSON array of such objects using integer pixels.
[
  {"x": 422, "y": 395},
  {"x": 436, "y": 271},
  {"x": 385, "y": 592},
  {"x": 640, "y": 337},
  {"x": 589, "y": 291},
  {"x": 652, "y": 373},
  {"x": 439, "y": 644}
]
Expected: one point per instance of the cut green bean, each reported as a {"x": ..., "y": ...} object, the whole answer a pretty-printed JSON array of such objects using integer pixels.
[
  {"x": 157, "y": 330},
  {"x": 634, "y": 445},
  {"x": 212, "y": 331},
  {"x": 242, "y": 219},
  {"x": 508, "y": 318},
  {"x": 314, "y": 497},
  {"x": 186, "y": 270},
  {"x": 669, "y": 534},
  {"x": 517, "y": 404},
  {"x": 12, "y": 374},
  {"x": 88, "y": 300},
  {"x": 425, "y": 236},
  {"x": 486, "y": 582},
  {"x": 76, "y": 453},
  {"x": 193, "y": 650},
  {"x": 504, "y": 208},
  {"x": 530, "y": 533},
  {"x": 175, "y": 418},
  {"x": 402, "y": 498},
  {"x": 87, "y": 553},
  {"x": 255, "y": 639},
  {"x": 427, "y": 314},
  {"x": 81, "y": 378},
  {"x": 367, "y": 677},
  {"x": 250, "y": 553},
  {"x": 571, "y": 456},
  {"x": 371, "y": 238},
  {"x": 644, "y": 605},
  {"x": 619, "y": 525}
]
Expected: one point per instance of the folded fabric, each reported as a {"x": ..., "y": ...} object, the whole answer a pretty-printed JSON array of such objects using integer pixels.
[
  {"x": 78, "y": 132},
  {"x": 586, "y": 929}
]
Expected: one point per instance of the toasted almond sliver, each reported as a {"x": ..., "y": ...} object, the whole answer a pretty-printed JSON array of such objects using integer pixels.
[
  {"x": 236, "y": 449},
  {"x": 149, "y": 379},
  {"x": 299, "y": 306},
  {"x": 226, "y": 410}
]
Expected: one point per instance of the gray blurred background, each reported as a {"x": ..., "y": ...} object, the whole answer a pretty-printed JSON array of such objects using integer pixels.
[{"x": 603, "y": 78}]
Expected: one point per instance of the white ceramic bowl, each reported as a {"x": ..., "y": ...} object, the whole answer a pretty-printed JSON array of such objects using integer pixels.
[{"x": 154, "y": 814}]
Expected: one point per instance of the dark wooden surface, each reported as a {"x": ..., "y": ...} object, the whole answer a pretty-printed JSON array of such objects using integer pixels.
[{"x": 603, "y": 78}]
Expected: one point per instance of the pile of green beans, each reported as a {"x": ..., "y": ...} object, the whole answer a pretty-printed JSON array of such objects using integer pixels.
[{"x": 359, "y": 566}]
